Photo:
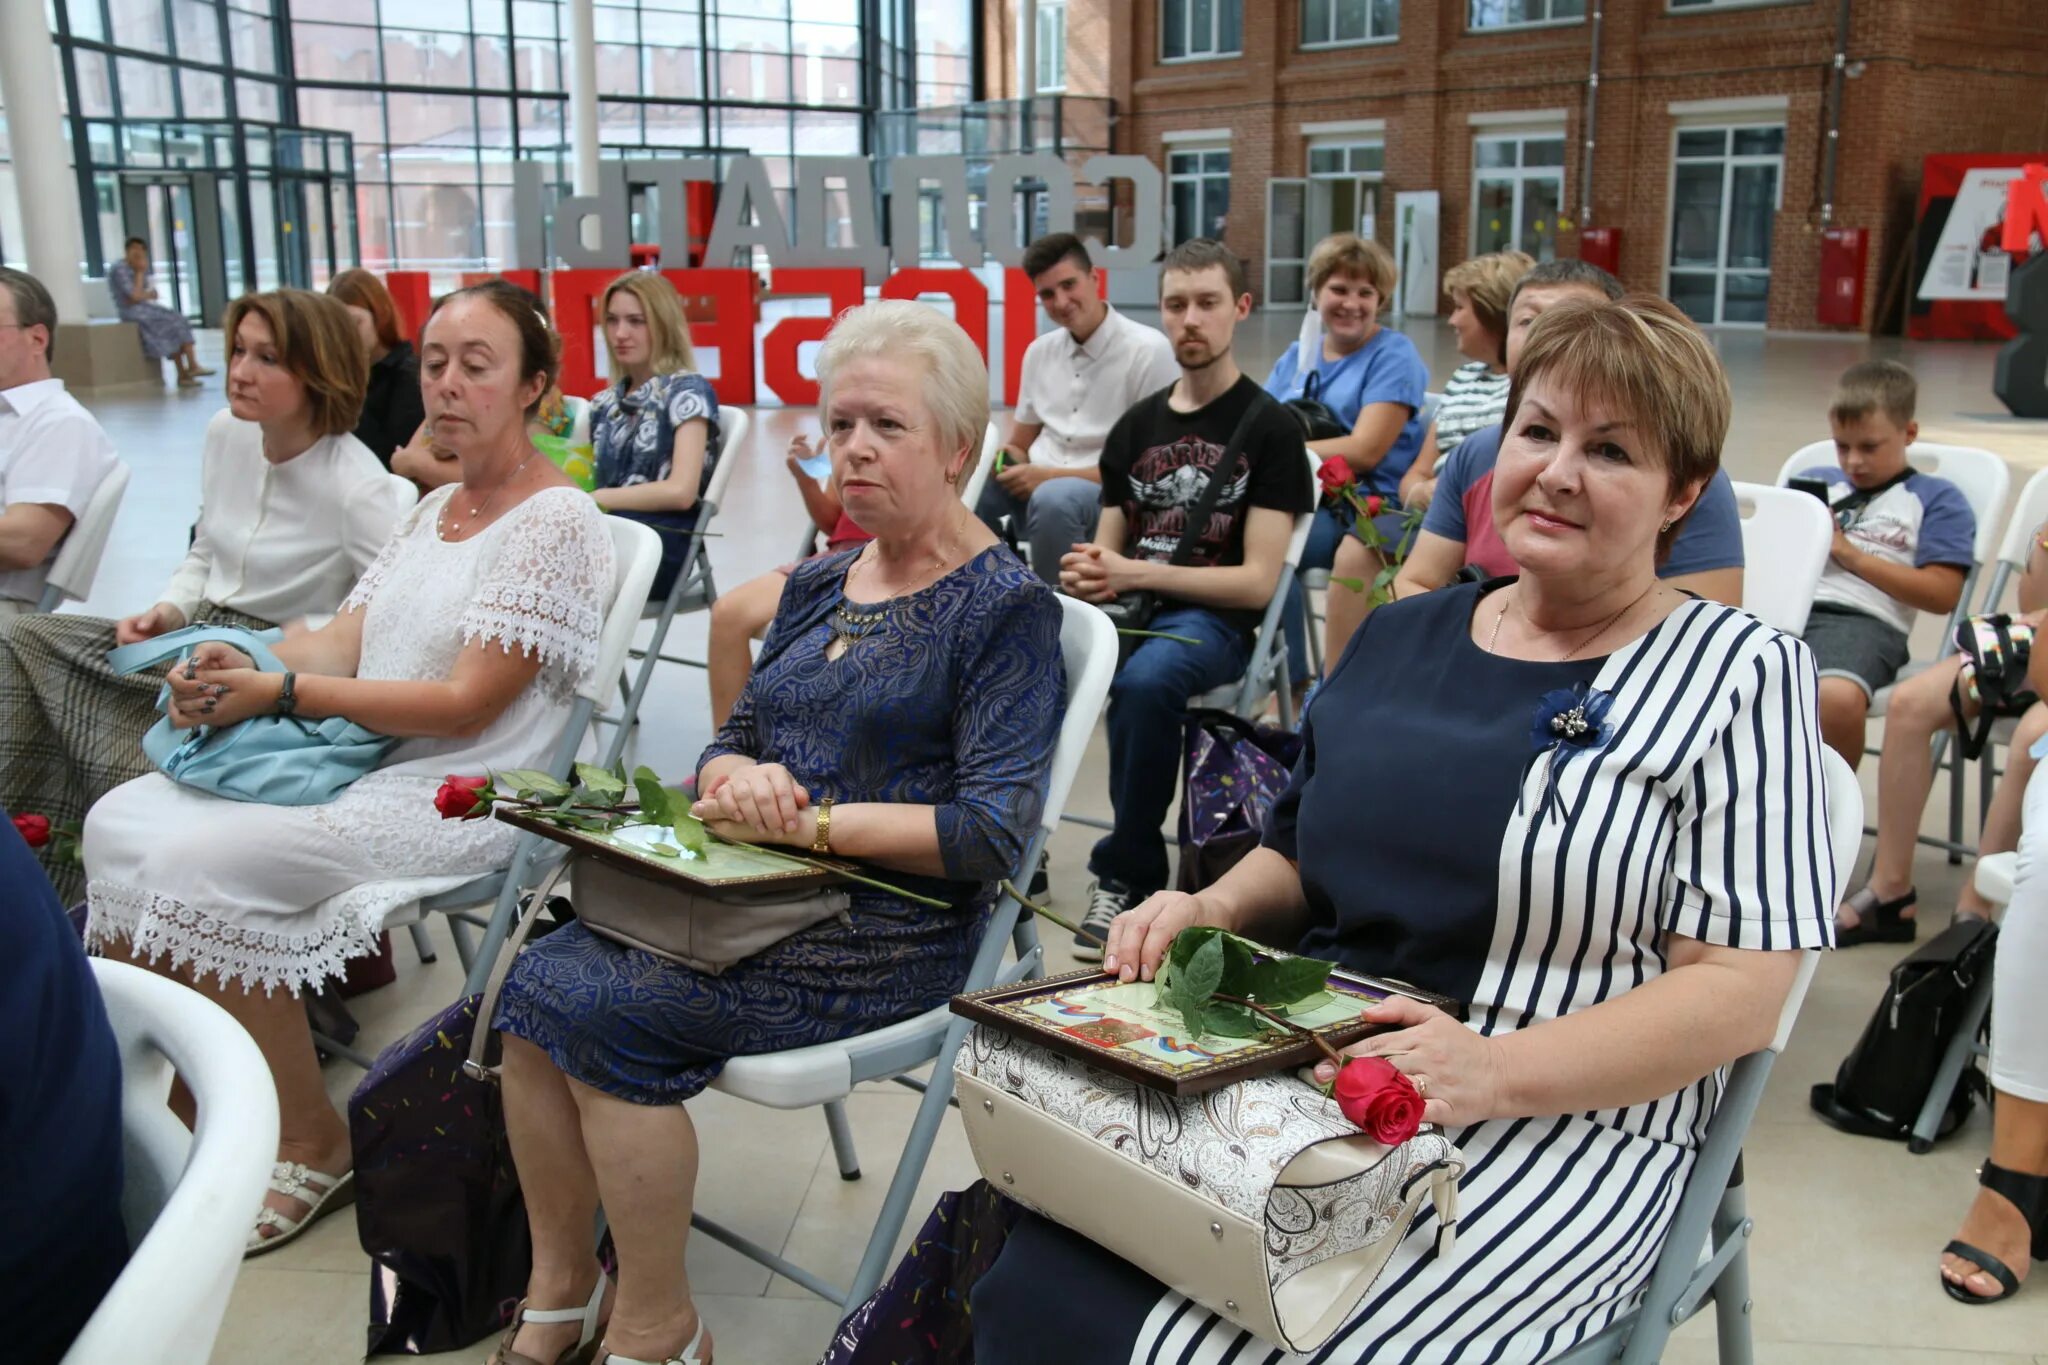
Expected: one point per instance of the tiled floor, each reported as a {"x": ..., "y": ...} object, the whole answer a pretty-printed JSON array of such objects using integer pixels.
[{"x": 1847, "y": 1229}]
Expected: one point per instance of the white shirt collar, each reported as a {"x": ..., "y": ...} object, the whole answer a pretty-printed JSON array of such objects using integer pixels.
[
  {"x": 1098, "y": 340},
  {"x": 26, "y": 398}
]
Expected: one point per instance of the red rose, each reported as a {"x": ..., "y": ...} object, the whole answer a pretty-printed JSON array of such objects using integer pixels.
[
  {"x": 1335, "y": 473},
  {"x": 33, "y": 829},
  {"x": 463, "y": 798},
  {"x": 1373, "y": 503},
  {"x": 1379, "y": 1099}
]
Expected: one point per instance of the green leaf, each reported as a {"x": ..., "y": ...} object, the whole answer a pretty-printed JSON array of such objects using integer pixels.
[
  {"x": 656, "y": 806},
  {"x": 1232, "y": 1021},
  {"x": 1165, "y": 972},
  {"x": 600, "y": 781},
  {"x": 1193, "y": 1019},
  {"x": 1384, "y": 577},
  {"x": 689, "y": 831},
  {"x": 531, "y": 782},
  {"x": 1308, "y": 1004},
  {"x": 1203, "y": 971},
  {"x": 1189, "y": 939},
  {"x": 665, "y": 851},
  {"x": 1239, "y": 963},
  {"x": 1280, "y": 981},
  {"x": 1355, "y": 584}
]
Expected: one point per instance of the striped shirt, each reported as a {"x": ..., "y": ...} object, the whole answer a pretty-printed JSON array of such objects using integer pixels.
[
  {"x": 1700, "y": 814},
  {"x": 1475, "y": 397}
]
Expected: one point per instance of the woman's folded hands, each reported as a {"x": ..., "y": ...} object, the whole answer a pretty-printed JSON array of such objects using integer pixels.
[{"x": 758, "y": 804}]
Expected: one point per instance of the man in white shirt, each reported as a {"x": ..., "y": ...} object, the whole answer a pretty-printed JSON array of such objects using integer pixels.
[
  {"x": 52, "y": 453},
  {"x": 1077, "y": 380}
]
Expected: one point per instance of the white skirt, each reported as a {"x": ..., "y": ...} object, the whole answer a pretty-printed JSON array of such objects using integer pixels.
[{"x": 271, "y": 896}]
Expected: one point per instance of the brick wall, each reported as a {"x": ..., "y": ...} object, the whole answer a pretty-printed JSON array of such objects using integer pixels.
[{"x": 1923, "y": 78}]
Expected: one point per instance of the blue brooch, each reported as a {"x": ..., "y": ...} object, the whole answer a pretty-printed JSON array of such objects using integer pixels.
[{"x": 1568, "y": 720}]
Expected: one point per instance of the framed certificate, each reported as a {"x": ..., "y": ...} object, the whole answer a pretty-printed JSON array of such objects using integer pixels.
[{"x": 729, "y": 869}]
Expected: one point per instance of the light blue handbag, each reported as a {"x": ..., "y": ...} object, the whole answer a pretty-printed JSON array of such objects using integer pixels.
[{"x": 277, "y": 760}]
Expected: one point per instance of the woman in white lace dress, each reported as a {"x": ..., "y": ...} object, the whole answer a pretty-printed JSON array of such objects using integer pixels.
[{"x": 465, "y": 639}]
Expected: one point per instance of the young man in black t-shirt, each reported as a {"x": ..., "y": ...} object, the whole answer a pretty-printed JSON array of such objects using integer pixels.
[{"x": 1156, "y": 463}]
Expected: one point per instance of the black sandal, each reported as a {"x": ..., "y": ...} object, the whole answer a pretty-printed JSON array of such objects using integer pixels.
[
  {"x": 2029, "y": 1194},
  {"x": 1878, "y": 921}
]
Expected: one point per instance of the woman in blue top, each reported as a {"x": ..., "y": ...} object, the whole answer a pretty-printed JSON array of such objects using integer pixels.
[
  {"x": 654, "y": 432},
  {"x": 1371, "y": 377},
  {"x": 903, "y": 713}
]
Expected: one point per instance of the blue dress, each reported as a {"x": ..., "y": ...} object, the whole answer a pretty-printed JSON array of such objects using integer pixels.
[
  {"x": 633, "y": 440},
  {"x": 164, "y": 331},
  {"x": 1433, "y": 847},
  {"x": 60, "y": 1121},
  {"x": 954, "y": 701}
]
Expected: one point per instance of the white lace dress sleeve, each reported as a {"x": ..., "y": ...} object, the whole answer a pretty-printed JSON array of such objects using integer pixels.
[{"x": 283, "y": 896}]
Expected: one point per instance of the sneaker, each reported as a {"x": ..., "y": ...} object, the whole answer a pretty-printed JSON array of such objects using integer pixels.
[{"x": 1106, "y": 900}]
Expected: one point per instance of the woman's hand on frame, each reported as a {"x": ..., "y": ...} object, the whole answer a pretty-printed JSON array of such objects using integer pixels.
[
  {"x": 1459, "y": 1072},
  {"x": 1138, "y": 938}
]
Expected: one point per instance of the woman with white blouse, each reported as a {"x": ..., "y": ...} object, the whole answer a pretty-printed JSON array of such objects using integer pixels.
[{"x": 292, "y": 510}]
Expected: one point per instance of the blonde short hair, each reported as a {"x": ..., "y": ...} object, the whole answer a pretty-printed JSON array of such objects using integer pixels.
[
  {"x": 1346, "y": 253},
  {"x": 1883, "y": 386},
  {"x": 318, "y": 345},
  {"x": 1642, "y": 357},
  {"x": 1488, "y": 284},
  {"x": 956, "y": 383},
  {"x": 668, "y": 331}
]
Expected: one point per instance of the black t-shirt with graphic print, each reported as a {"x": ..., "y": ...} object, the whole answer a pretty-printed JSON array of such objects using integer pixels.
[{"x": 1156, "y": 462}]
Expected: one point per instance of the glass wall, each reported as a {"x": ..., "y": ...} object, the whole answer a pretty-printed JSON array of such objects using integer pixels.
[{"x": 439, "y": 98}]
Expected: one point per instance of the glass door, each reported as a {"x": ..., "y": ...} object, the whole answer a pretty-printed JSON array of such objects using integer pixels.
[
  {"x": 1517, "y": 193},
  {"x": 1286, "y": 242},
  {"x": 1726, "y": 188}
]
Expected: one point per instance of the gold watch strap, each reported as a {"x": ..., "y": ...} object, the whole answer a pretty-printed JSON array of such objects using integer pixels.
[{"x": 821, "y": 841}]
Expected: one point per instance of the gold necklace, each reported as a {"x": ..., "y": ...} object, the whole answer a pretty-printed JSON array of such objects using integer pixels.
[
  {"x": 1516, "y": 603},
  {"x": 454, "y": 528}
]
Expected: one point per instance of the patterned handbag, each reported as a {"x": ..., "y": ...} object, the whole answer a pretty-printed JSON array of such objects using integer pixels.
[
  {"x": 1232, "y": 772},
  {"x": 1257, "y": 1200},
  {"x": 1996, "y": 650}
]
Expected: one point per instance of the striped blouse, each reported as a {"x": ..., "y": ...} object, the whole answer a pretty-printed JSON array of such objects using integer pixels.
[
  {"x": 1474, "y": 397},
  {"x": 1701, "y": 814}
]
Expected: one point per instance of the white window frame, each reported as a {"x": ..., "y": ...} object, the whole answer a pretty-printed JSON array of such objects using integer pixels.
[
  {"x": 1175, "y": 147},
  {"x": 1309, "y": 44},
  {"x": 1549, "y": 5},
  {"x": 1712, "y": 6},
  {"x": 1346, "y": 143},
  {"x": 1728, "y": 125},
  {"x": 1051, "y": 48},
  {"x": 1521, "y": 135},
  {"x": 1212, "y": 53}
]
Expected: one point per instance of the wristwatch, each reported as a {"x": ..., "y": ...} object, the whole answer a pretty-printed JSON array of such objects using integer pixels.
[
  {"x": 288, "y": 695},
  {"x": 821, "y": 841}
]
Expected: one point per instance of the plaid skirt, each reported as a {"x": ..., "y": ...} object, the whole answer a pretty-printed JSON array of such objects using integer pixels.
[{"x": 70, "y": 727}]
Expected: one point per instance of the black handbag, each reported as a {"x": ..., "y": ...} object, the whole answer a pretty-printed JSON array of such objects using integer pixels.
[
  {"x": 1995, "y": 651},
  {"x": 1884, "y": 1081},
  {"x": 1135, "y": 610},
  {"x": 1319, "y": 421}
]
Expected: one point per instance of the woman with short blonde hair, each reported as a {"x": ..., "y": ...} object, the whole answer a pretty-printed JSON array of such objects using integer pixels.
[
  {"x": 654, "y": 431},
  {"x": 1481, "y": 290},
  {"x": 903, "y": 715}
]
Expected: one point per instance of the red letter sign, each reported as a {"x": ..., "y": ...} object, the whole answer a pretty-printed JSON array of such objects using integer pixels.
[
  {"x": 843, "y": 289},
  {"x": 576, "y": 296},
  {"x": 2026, "y": 209},
  {"x": 412, "y": 297},
  {"x": 969, "y": 295}
]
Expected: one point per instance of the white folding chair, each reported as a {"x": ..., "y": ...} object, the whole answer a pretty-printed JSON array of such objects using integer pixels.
[
  {"x": 977, "y": 477},
  {"x": 693, "y": 590},
  {"x": 1267, "y": 674},
  {"x": 1706, "y": 1252},
  {"x": 187, "y": 1198},
  {"x": 826, "y": 1074},
  {"x": 578, "y": 410},
  {"x": 78, "y": 559},
  {"x": 636, "y": 553},
  {"x": 1786, "y": 537}
]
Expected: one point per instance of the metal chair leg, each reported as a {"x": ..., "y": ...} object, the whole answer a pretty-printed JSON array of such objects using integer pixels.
[
  {"x": 1731, "y": 1292},
  {"x": 1956, "y": 789},
  {"x": 423, "y": 942},
  {"x": 1960, "y": 1049},
  {"x": 842, "y": 1140}
]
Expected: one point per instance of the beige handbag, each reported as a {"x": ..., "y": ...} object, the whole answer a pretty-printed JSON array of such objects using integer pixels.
[
  {"x": 690, "y": 927},
  {"x": 1258, "y": 1200}
]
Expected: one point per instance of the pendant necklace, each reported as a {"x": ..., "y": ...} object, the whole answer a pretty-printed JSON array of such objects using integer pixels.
[
  {"x": 1566, "y": 657},
  {"x": 454, "y": 528},
  {"x": 852, "y": 624}
]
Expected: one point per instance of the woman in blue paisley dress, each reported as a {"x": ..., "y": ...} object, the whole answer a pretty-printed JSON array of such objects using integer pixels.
[
  {"x": 654, "y": 432},
  {"x": 1617, "y": 901},
  {"x": 903, "y": 713}
]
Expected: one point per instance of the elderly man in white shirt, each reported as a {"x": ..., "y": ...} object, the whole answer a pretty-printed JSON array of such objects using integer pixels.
[
  {"x": 1078, "y": 379},
  {"x": 52, "y": 453}
]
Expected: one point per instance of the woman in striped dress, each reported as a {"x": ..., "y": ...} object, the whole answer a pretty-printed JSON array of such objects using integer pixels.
[{"x": 1627, "y": 841}]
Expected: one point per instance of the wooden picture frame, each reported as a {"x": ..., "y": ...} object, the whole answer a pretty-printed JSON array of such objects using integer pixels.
[
  {"x": 1113, "y": 1029},
  {"x": 728, "y": 870}
]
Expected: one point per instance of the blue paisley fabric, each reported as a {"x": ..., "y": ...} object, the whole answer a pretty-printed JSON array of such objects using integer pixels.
[
  {"x": 954, "y": 701},
  {"x": 633, "y": 440}
]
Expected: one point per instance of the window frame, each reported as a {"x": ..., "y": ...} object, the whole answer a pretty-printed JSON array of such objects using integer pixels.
[
  {"x": 1213, "y": 53},
  {"x": 1525, "y": 25},
  {"x": 1716, "y": 6},
  {"x": 1053, "y": 9},
  {"x": 1201, "y": 179},
  {"x": 1370, "y": 39},
  {"x": 1520, "y": 173},
  {"x": 1728, "y": 125}
]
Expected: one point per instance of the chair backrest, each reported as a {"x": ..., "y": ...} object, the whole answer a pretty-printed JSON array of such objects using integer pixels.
[
  {"x": 579, "y": 419},
  {"x": 78, "y": 559},
  {"x": 406, "y": 492},
  {"x": 2028, "y": 513},
  {"x": 1088, "y": 643},
  {"x": 733, "y": 425},
  {"x": 636, "y": 553},
  {"x": 1431, "y": 402},
  {"x": 1980, "y": 474},
  {"x": 1786, "y": 538},
  {"x": 1845, "y": 838},
  {"x": 188, "y": 1199},
  {"x": 977, "y": 478}
]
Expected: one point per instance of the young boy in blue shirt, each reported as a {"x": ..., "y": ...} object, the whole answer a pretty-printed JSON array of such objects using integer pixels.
[{"x": 1904, "y": 542}]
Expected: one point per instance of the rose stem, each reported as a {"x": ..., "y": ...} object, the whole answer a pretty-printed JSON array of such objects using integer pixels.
[{"x": 1249, "y": 1004}]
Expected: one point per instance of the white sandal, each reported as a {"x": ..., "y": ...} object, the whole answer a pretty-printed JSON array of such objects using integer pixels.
[
  {"x": 586, "y": 1337},
  {"x": 323, "y": 1192},
  {"x": 687, "y": 1356}
]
